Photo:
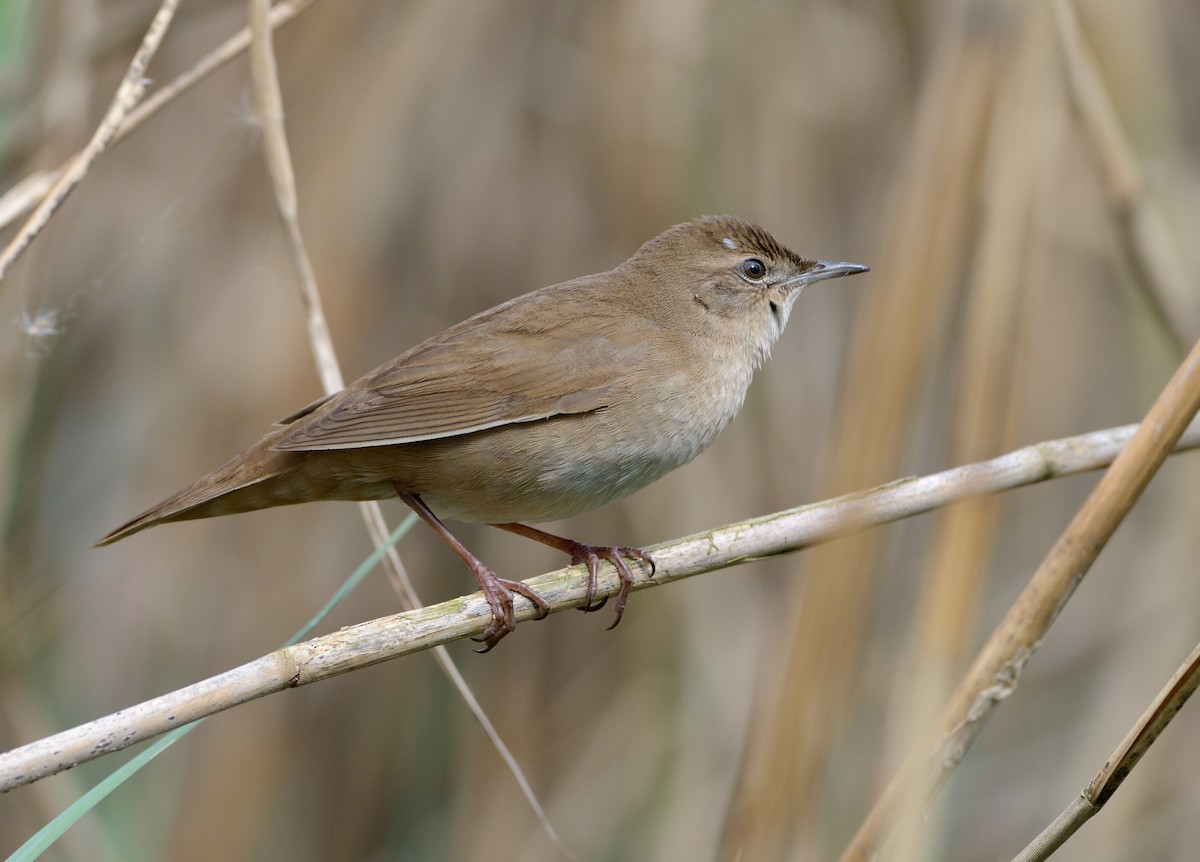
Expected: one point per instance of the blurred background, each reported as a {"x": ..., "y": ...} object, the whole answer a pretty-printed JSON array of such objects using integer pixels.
[{"x": 1033, "y": 276}]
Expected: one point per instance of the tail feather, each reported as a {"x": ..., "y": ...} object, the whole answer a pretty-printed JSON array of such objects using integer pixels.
[{"x": 254, "y": 480}]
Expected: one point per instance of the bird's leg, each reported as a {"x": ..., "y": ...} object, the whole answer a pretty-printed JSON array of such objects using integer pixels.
[
  {"x": 591, "y": 555},
  {"x": 497, "y": 590}
]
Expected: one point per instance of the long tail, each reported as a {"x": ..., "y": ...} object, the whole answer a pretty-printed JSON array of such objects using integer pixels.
[{"x": 256, "y": 479}]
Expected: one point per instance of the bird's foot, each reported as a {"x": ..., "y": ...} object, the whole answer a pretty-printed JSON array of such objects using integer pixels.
[
  {"x": 499, "y": 593},
  {"x": 591, "y": 555}
]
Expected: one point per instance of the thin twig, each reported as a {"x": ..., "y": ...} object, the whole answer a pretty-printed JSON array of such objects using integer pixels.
[
  {"x": 1063, "y": 827},
  {"x": 26, "y": 194},
  {"x": 1120, "y": 763},
  {"x": 129, "y": 93},
  {"x": 412, "y": 631},
  {"x": 269, "y": 104},
  {"x": 1159, "y": 270}
]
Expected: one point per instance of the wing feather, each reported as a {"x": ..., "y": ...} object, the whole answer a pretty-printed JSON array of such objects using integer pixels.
[{"x": 500, "y": 367}]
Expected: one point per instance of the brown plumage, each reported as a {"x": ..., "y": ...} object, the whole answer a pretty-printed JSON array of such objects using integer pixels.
[{"x": 549, "y": 405}]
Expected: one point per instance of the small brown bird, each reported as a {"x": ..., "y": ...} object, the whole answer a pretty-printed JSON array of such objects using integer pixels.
[{"x": 549, "y": 405}]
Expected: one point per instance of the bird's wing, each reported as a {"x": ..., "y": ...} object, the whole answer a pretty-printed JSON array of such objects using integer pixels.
[
  {"x": 310, "y": 407},
  {"x": 500, "y": 367}
]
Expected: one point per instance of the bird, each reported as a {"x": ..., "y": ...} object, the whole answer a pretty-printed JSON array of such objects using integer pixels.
[{"x": 549, "y": 405}]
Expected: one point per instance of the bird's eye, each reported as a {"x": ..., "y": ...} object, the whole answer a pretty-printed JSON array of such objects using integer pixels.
[{"x": 753, "y": 268}]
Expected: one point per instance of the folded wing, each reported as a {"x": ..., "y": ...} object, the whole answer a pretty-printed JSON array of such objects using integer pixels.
[{"x": 500, "y": 367}]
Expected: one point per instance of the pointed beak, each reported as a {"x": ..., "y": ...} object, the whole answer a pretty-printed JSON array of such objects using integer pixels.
[{"x": 823, "y": 269}]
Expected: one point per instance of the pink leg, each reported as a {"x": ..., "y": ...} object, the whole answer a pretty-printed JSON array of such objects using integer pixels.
[
  {"x": 591, "y": 555},
  {"x": 498, "y": 591}
]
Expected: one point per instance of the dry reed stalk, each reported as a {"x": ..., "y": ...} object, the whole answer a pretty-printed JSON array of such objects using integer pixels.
[
  {"x": 1022, "y": 151},
  {"x": 268, "y": 103},
  {"x": 804, "y": 703},
  {"x": 33, "y": 190},
  {"x": 1161, "y": 276},
  {"x": 1165, "y": 706},
  {"x": 998, "y": 667},
  {"x": 1160, "y": 272},
  {"x": 128, "y": 94}
]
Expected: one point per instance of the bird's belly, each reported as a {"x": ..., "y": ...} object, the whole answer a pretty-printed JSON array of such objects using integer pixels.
[
  {"x": 546, "y": 469},
  {"x": 534, "y": 471}
]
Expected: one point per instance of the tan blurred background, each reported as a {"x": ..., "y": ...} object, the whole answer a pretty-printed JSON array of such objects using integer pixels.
[{"x": 451, "y": 155}]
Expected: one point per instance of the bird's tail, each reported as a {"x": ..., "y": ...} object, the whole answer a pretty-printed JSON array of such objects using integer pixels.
[{"x": 255, "y": 479}]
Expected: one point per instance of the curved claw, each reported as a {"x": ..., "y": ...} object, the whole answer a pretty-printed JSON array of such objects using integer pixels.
[
  {"x": 591, "y": 608},
  {"x": 583, "y": 554},
  {"x": 499, "y": 593},
  {"x": 500, "y": 600},
  {"x": 488, "y": 641},
  {"x": 543, "y": 609},
  {"x": 626, "y": 586},
  {"x": 591, "y": 555}
]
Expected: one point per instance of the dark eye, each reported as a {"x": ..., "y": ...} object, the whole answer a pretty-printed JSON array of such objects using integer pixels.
[{"x": 753, "y": 268}]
